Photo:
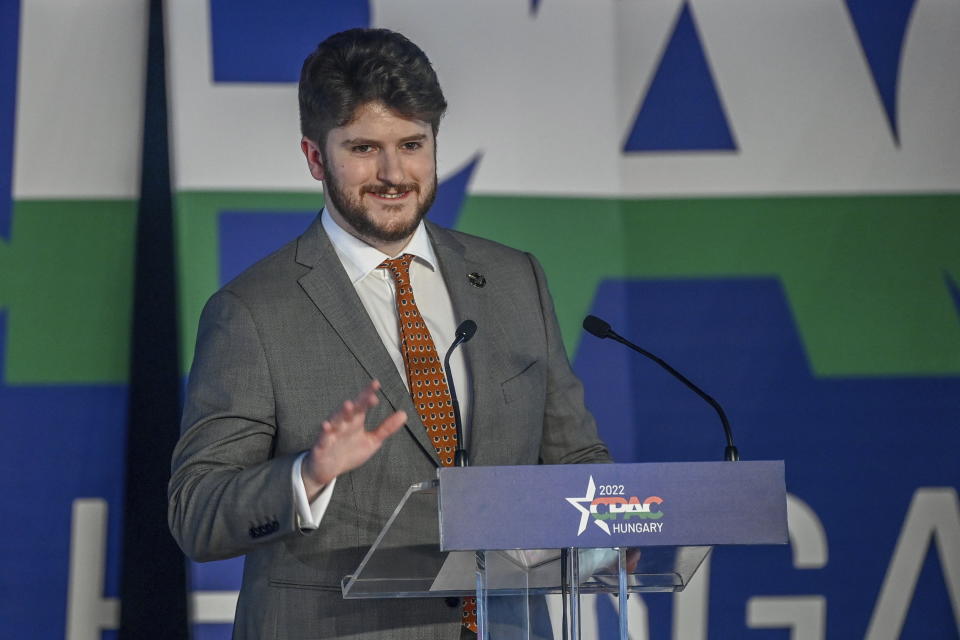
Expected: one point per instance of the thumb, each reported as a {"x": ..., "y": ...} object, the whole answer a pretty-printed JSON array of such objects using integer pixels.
[{"x": 390, "y": 425}]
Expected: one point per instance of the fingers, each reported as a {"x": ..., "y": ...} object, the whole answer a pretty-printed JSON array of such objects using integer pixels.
[
  {"x": 367, "y": 399},
  {"x": 343, "y": 443},
  {"x": 352, "y": 412},
  {"x": 341, "y": 419}
]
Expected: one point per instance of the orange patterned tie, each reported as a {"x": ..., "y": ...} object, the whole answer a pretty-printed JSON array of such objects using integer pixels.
[{"x": 428, "y": 385}]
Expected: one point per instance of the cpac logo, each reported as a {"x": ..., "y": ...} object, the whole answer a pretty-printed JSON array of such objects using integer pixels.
[{"x": 612, "y": 505}]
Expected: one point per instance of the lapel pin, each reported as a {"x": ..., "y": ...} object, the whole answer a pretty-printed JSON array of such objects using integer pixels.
[{"x": 476, "y": 279}]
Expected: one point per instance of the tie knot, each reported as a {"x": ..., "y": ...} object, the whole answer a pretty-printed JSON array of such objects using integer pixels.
[{"x": 400, "y": 267}]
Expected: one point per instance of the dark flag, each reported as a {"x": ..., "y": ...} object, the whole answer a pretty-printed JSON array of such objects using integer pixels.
[{"x": 153, "y": 574}]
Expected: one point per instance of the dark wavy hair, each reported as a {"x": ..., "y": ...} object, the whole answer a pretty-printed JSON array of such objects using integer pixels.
[{"x": 357, "y": 66}]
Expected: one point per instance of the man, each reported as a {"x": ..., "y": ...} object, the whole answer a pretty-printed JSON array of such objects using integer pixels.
[{"x": 300, "y": 434}]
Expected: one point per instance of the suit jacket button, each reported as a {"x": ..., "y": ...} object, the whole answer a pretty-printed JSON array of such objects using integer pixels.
[{"x": 453, "y": 603}]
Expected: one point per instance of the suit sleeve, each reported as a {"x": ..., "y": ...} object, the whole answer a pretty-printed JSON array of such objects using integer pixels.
[
  {"x": 569, "y": 431},
  {"x": 227, "y": 494}
]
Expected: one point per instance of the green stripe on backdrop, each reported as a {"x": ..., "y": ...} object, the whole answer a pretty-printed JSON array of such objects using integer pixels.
[
  {"x": 66, "y": 285},
  {"x": 864, "y": 275}
]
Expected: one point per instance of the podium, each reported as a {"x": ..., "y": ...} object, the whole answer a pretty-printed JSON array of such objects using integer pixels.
[{"x": 510, "y": 535}]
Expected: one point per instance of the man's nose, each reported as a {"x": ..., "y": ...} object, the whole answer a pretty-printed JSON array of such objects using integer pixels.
[{"x": 390, "y": 168}]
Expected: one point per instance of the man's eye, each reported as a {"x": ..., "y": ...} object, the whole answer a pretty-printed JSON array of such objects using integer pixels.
[
  {"x": 363, "y": 148},
  {"x": 412, "y": 146}
]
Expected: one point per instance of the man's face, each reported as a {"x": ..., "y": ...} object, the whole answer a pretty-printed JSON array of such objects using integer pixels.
[{"x": 379, "y": 173}]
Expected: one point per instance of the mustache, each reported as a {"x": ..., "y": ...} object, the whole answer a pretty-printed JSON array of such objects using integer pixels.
[{"x": 380, "y": 189}]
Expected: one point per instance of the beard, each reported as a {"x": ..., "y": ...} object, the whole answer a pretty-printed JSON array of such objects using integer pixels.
[{"x": 367, "y": 226}]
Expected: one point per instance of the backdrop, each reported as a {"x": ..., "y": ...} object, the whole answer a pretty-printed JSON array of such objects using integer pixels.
[{"x": 765, "y": 193}]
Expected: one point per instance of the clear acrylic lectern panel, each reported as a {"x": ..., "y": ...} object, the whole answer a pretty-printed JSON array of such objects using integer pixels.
[{"x": 406, "y": 561}]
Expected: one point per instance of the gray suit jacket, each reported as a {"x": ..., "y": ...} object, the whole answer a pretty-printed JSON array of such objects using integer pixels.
[{"x": 278, "y": 349}]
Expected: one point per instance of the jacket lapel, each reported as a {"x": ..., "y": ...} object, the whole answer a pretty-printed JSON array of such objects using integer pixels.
[
  {"x": 484, "y": 354},
  {"x": 327, "y": 285}
]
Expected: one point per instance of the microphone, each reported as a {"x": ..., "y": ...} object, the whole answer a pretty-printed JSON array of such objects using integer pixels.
[
  {"x": 464, "y": 333},
  {"x": 602, "y": 329},
  {"x": 596, "y": 326}
]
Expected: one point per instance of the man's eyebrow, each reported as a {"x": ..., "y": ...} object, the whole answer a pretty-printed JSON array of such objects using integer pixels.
[
  {"x": 417, "y": 137},
  {"x": 358, "y": 141}
]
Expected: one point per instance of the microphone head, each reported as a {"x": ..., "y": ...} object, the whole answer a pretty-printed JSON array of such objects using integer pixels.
[
  {"x": 596, "y": 326},
  {"x": 466, "y": 330}
]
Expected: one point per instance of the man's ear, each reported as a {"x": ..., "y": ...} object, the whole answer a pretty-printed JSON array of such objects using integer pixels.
[{"x": 314, "y": 158}]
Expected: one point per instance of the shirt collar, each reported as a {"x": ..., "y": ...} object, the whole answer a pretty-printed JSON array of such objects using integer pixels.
[{"x": 359, "y": 259}]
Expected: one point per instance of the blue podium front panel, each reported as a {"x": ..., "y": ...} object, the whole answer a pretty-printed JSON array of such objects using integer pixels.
[{"x": 604, "y": 505}]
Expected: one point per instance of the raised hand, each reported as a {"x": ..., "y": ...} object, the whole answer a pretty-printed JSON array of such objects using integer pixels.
[{"x": 344, "y": 443}]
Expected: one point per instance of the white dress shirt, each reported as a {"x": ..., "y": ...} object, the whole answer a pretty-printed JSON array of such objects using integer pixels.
[{"x": 377, "y": 292}]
